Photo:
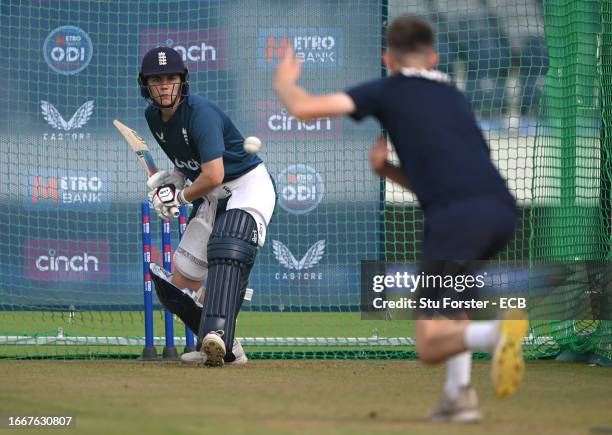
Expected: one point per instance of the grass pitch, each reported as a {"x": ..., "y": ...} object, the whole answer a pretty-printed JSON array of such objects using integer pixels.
[{"x": 279, "y": 397}]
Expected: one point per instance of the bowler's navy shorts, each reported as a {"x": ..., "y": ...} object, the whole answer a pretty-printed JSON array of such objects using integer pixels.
[{"x": 459, "y": 236}]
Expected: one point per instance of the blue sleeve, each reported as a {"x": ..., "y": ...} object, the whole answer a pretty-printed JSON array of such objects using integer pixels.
[
  {"x": 367, "y": 99},
  {"x": 207, "y": 133}
]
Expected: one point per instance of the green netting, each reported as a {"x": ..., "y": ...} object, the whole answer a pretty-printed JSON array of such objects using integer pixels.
[
  {"x": 537, "y": 77},
  {"x": 571, "y": 186}
]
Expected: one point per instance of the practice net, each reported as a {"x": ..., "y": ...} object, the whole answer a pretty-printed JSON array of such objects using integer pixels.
[{"x": 72, "y": 282}]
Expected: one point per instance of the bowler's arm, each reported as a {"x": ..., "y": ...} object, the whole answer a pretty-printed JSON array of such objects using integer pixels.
[
  {"x": 305, "y": 106},
  {"x": 379, "y": 160},
  {"x": 395, "y": 174},
  {"x": 298, "y": 101}
]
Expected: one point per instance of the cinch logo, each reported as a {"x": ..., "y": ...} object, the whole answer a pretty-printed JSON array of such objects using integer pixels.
[
  {"x": 66, "y": 190},
  {"x": 199, "y": 50},
  {"x": 314, "y": 46},
  {"x": 56, "y": 262},
  {"x": 78, "y": 120},
  {"x": 66, "y": 260},
  {"x": 283, "y": 121},
  {"x": 275, "y": 123},
  {"x": 301, "y": 189},
  {"x": 68, "y": 50},
  {"x": 288, "y": 260},
  {"x": 191, "y": 164}
]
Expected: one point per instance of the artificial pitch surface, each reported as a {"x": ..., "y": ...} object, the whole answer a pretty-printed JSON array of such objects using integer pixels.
[{"x": 279, "y": 397}]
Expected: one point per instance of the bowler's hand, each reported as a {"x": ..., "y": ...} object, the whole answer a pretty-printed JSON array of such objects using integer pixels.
[
  {"x": 379, "y": 155},
  {"x": 288, "y": 70}
]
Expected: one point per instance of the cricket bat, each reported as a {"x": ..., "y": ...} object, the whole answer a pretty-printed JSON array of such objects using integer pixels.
[{"x": 139, "y": 146}]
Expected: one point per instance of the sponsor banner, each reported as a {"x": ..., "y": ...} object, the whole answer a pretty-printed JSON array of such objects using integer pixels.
[
  {"x": 200, "y": 49},
  {"x": 274, "y": 123},
  {"x": 304, "y": 268},
  {"x": 300, "y": 189},
  {"x": 66, "y": 260},
  {"x": 316, "y": 47},
  {"x": 53, "y": 189},
  {"x": 68, "y": 50},
  {"x": 310, "y": 262},
  {"x": 71, "y": 127}
]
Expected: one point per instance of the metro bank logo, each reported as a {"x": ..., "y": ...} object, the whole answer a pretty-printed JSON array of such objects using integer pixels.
[
  {"x": 315, "y": 46},
  {"x": 76, "y": 192},
  {"x": 66, "y": 260}
]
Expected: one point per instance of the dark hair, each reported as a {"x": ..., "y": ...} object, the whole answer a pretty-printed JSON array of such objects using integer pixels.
[{"x": 408, "y": 34}]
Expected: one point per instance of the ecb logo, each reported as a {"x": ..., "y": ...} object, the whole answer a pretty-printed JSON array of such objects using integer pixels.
[
  {"x": 68, "y": 50},
  {"x": 301, "y": 189}
]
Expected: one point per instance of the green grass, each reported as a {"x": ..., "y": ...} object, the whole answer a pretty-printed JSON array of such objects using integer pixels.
[
  {"x": 280, "y": 397},
  {"x": 131, "y": 324}
]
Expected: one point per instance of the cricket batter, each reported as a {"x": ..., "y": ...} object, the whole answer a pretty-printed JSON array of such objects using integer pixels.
[{"x": 233, "y": 199}]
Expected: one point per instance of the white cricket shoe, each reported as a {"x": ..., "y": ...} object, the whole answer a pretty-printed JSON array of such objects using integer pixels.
[
  {"x": 214, "y": 348},
  {"x": 463, "y": 409},
  {"x": 196, "y": 357}
]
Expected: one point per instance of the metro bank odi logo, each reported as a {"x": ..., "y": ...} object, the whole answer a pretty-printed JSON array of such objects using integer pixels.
[
  {"x": 68, "y": 50},
  {"x": 301, "y": 189}
]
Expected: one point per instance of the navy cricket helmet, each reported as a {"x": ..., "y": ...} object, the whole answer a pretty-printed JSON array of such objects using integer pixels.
[{"x": 162, "y": 61}]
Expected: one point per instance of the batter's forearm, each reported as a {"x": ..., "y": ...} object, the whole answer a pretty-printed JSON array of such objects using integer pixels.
[{"x": 202, "y": 186}]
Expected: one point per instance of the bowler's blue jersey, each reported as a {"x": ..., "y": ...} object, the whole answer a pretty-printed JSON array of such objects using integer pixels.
[
  {"x": 441, "y": 149},
  {"x": 198, "y": 132}
]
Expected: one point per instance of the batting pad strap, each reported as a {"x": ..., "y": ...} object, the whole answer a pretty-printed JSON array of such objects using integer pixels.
[
  {"x": 231, "y": 249},
  {"x": 236, "y": 224}
]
